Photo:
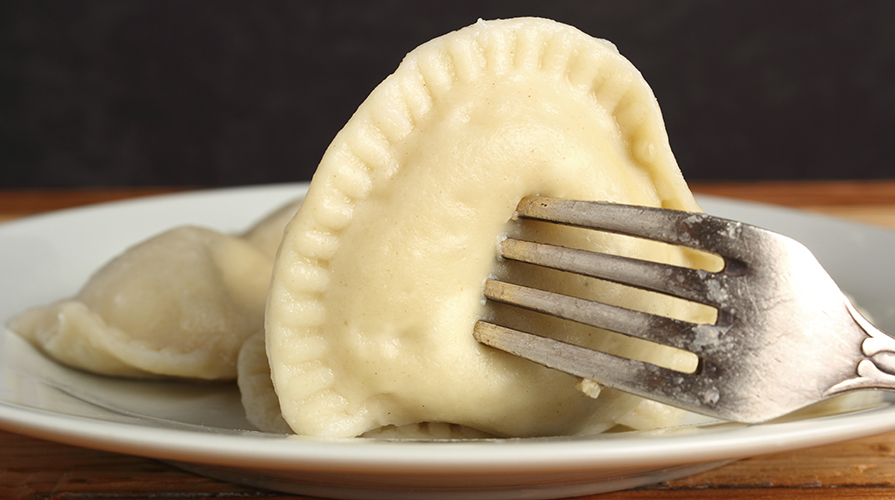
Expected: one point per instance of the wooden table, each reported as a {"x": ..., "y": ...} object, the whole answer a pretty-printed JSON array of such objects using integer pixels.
[{"x": 861, "y": 469}]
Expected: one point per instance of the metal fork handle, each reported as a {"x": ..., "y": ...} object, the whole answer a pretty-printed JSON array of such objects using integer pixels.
[{"x": 877, "y": 370}]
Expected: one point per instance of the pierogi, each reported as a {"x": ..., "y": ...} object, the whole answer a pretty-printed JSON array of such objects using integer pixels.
[
  {"x": 180, "y": 304},
  {"x": 256, "y": 392},
  {"x": 379, "y": 278},
  {"x": 263, "y": 409},
  {"x": 268, "y": 232}
]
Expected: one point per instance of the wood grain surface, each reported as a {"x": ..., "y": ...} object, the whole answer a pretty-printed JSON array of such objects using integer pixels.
[{"x": 861, "y": 469}]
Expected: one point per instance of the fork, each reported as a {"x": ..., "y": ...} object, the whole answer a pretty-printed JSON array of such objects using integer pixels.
[{"x": 785, "y": 336}]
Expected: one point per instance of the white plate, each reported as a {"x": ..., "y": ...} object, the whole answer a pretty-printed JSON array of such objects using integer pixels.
[{"x": 202, "y": 428}]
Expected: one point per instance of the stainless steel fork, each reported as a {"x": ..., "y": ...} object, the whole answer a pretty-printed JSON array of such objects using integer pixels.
[{"x": 785, "y": 335}]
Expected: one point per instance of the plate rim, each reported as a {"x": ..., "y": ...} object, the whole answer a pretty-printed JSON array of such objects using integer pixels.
[
  {"x": 257, "y": 450},
  {"x": 263, "y": 451}
]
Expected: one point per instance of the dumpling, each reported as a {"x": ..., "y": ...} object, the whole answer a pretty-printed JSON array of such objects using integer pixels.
[
  {"x": 256, "y": 392},
  {"x": 268, "y": 232},
  {"x": 180, "y": 304},
  {"x": 379, "y": 278},
  {"x": 262, "y": 407}
]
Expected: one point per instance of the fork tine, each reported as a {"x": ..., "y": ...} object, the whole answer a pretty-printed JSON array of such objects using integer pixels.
[
  {"x": 693, "y": 337},
  {"x": 694, "y": 230},
  {"x": 690, "y": 391},
  {"x": 691, "y": 284},
  {"x": 569, "y": 358}
]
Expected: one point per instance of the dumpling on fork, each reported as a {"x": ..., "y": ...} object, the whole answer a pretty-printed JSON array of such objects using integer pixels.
[{"x": 379, "y": 278}]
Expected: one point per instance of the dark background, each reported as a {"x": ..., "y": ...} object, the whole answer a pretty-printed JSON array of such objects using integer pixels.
[{"x": 214, "y": 93}]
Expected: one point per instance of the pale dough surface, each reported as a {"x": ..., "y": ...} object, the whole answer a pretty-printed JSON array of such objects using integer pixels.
[
  {"x": 256, "y": 389},
  {"x": 379, "y": 279},
  {"x": 267, "y": 234},
  {"x": 263, "y": 409},
  {"x": 179, "y": 304}
]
